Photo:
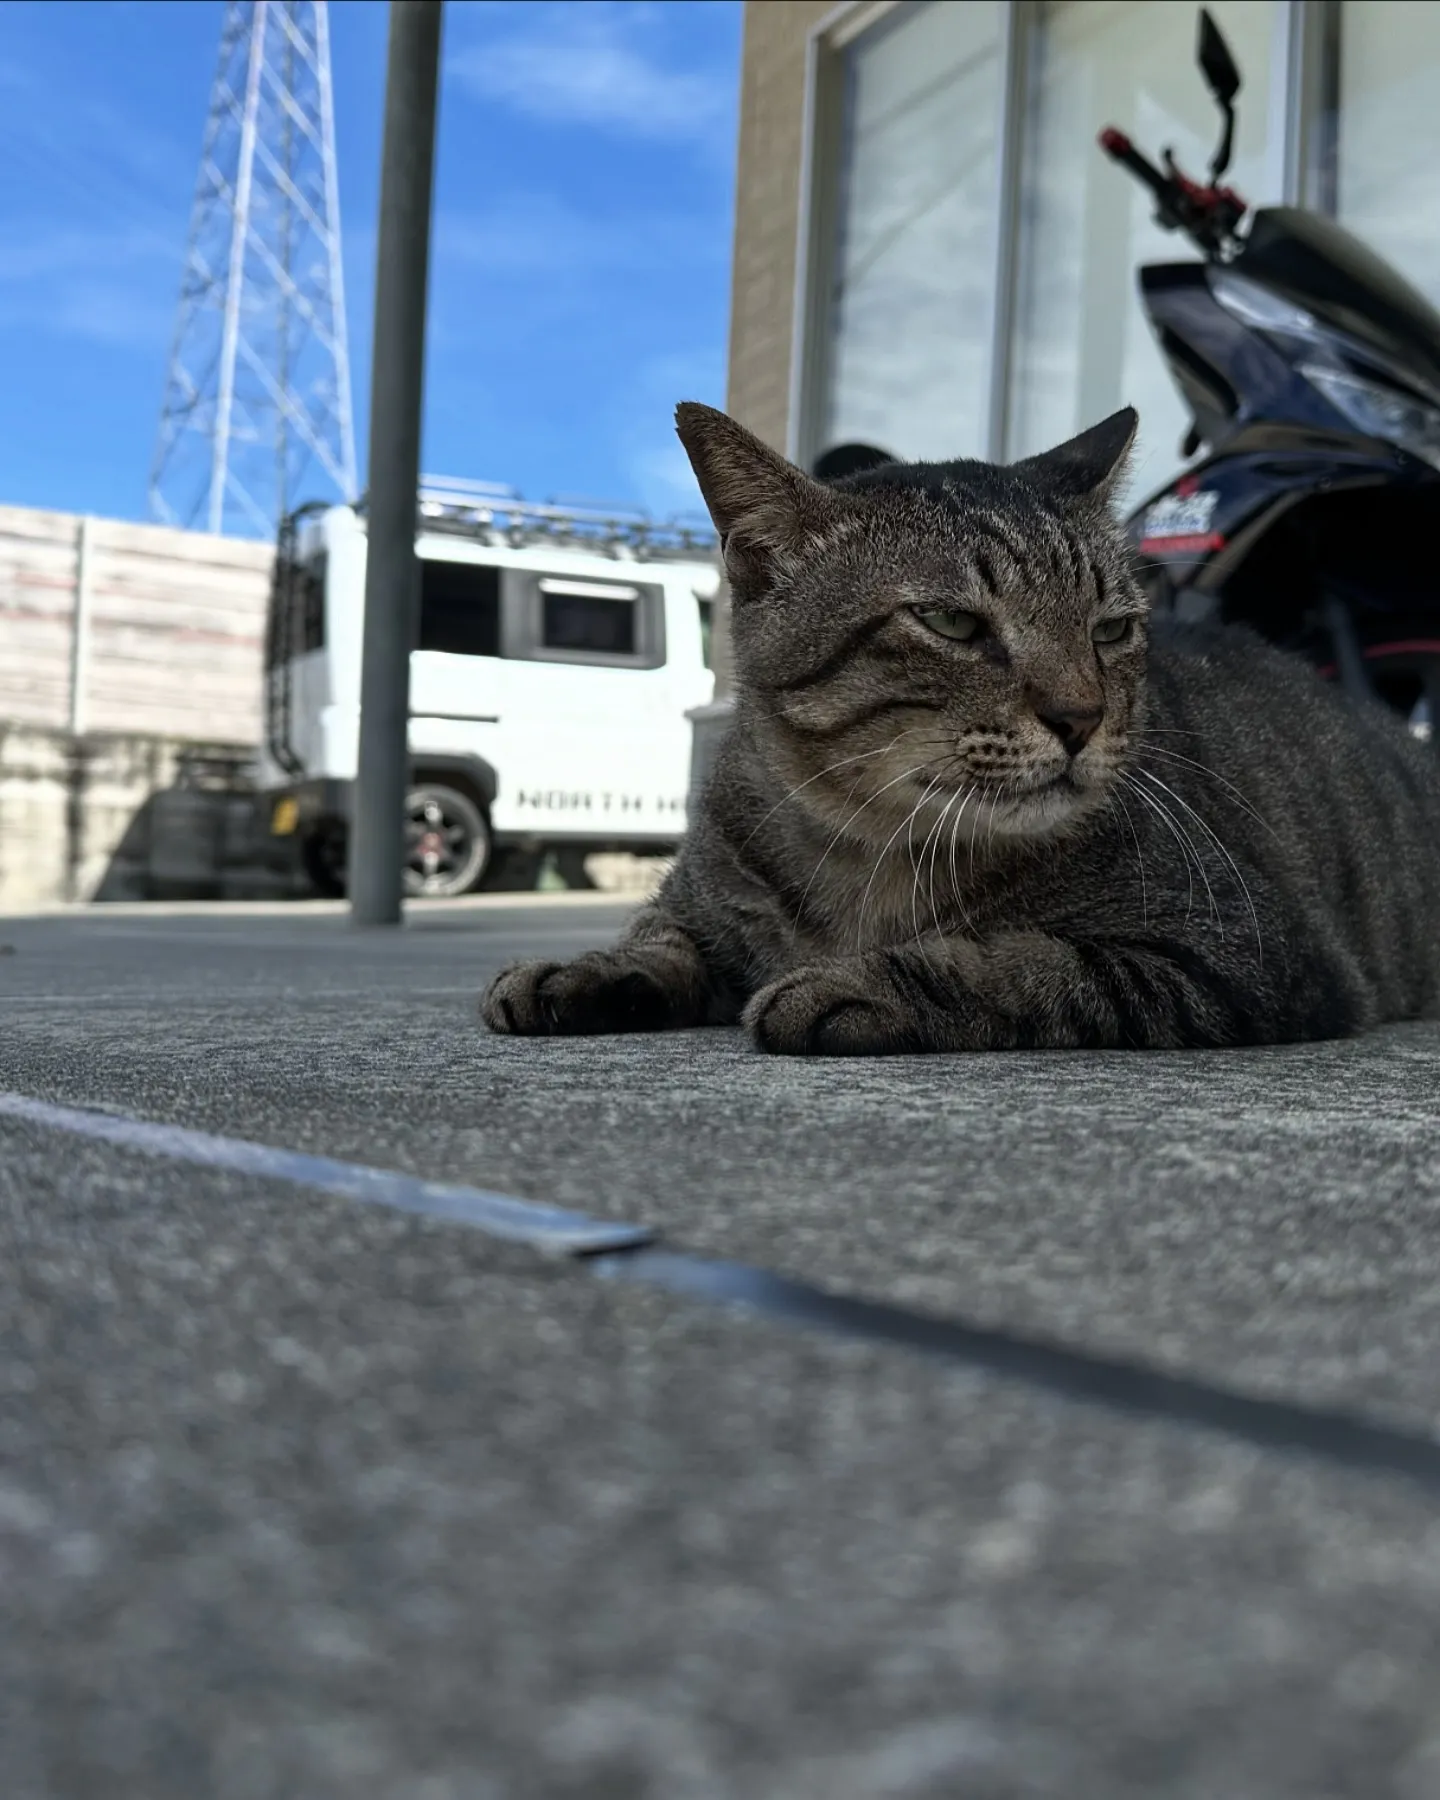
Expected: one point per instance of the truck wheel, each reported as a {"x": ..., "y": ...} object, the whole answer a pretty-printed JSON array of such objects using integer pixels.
[{"x": 447, "y": 842}]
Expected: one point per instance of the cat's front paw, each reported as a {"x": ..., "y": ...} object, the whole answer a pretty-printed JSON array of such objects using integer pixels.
[
  {"x": 605, "y": 990},
  {"x": 827, "y": 1009}
]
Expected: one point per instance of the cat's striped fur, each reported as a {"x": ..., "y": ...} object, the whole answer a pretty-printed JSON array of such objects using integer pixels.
[{"x": 1025, "y": 838}]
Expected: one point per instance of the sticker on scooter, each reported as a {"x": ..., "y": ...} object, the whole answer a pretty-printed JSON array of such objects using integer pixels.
[{"x": 1182, "y": 522}]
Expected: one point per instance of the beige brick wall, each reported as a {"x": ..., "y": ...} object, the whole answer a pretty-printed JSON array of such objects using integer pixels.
[
  {"x": 767, "y": 223},
  {"x": 767, "y": 210}
]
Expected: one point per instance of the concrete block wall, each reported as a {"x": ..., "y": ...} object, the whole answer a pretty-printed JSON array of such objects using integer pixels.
[
  {"x": 125, "y": 650},
  {"x": 113, "y": 627},
  {"x": 120, "y": 816}
]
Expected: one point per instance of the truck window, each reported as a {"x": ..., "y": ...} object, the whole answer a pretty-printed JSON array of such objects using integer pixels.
[
  {"x": 312, "y": 605},
  {"x": 606, "y": 623},
  {"x": 459, "y": 608},
  {"x": 588, "y": 615}
]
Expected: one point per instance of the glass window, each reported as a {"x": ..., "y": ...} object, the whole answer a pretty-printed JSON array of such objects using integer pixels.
[
  {"x": 1082, "y": 345},
  {"x": 588, "y": 616},
  {"x": 908, "y": 311},
  {"x": 312, "y": 605},
  {"x": 459, "y": 608},
  {"x": 1386, "y": 136}
]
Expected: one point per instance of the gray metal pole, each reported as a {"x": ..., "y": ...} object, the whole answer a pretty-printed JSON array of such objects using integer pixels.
[{"x": 396, "y": 391}]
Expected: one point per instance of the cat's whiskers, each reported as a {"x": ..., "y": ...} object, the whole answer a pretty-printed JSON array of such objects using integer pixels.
[
  {"x": 1116, "y": 798},
  {"x": 994, "y": 813},
  {"x": 914, "y": 863},
  {"x": 845, "y": 825},
  {"x": 1230, "y": 860},
  {"x": 1201, "y": 768},
  {"x": 974, "y": 828},
  {"x": 960, "y": 796},
  {"x": 1189, "y": 855},
  {"x": 955, "y": 846},
  {"x": 932, "y": 843},
  {"x": 844, "y": 762},
  {"x": 907, "y": 824}
]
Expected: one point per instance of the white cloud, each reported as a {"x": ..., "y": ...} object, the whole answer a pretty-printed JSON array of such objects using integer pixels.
[{"x": 599, "y": 65}]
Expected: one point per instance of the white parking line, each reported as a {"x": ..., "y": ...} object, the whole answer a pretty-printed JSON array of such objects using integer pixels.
[
  {"x": 497, "y": 1215},
  {"x": 630, "y": 1253}
]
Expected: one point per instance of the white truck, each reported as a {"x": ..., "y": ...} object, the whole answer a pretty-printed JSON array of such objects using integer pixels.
[{"x": 559, "y": 650}]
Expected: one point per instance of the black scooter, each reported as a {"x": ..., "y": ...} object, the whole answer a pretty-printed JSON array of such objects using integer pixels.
[{"x": 1312, "y": 373}]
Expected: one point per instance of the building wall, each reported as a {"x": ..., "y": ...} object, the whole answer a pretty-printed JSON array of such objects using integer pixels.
[
  {"x": 767, "y": 222},
  {"x": 169, "y": 628},
  {"x": 767, "y": 210}
]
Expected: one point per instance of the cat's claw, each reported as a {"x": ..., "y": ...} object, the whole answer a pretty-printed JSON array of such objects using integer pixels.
[
  {"x": 823, "y": 1010},
  {"x": 603, "y": 991},
  {"x": 513, "y": 1002}
]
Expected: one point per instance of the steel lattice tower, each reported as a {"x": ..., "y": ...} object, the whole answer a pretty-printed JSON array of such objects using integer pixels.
[{"x": 258, "y": 388}]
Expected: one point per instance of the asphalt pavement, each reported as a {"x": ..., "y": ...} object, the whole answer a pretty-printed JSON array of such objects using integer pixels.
[{"x": 1127, "y": 1484}]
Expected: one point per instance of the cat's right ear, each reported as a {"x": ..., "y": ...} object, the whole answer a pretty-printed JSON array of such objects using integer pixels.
[
  {"x": 1087, "y": 470},
  {"x": 765, "y": 509}
]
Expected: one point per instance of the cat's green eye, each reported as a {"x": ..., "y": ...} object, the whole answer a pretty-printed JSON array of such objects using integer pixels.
[
  {"x": 1111, "y": 631},
  {"x": 951, "y": 623}
]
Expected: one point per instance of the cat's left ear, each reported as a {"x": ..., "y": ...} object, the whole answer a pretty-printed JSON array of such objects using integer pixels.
[
  {"x": 765, "y": 509},
  {"x": 1088, "y": 469}
]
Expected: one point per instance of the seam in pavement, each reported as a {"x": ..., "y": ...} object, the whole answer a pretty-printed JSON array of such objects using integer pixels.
[{"x": 623, "y": 1252}]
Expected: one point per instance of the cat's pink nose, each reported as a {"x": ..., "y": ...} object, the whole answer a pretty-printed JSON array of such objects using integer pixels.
[{"x": 1074, "y": 728}]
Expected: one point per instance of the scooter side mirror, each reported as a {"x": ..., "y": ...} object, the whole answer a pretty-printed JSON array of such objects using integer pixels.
[
  {"x": 1222, "y": 77},
  {"x": 1218, "y": 66}
]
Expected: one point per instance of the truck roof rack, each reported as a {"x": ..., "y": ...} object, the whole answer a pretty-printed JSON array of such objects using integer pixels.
[{"x": 494, "y": 514}]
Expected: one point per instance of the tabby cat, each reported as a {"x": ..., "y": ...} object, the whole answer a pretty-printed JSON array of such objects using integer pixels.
[{"x": 971, "y": 800}]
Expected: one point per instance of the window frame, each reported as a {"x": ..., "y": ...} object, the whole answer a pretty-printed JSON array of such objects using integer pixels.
[
  {"x": 522, "y": 620},
  {"x": 1303, "y": 82},
  {"x": 820, "y": 171}
]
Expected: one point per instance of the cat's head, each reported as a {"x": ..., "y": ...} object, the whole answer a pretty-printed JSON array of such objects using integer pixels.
[{"x": 943, "y": 627}]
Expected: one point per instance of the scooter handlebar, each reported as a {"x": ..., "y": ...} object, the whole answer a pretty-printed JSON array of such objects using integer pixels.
[
  {"x": 1207, "y": 216},
  {"x": 1115, "y": 144}
]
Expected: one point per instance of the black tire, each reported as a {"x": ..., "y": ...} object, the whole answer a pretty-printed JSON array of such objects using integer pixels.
[
  {"x": 322, "y": 856},
  {"x": 447, "y": 843},
  {"x": 514, "y": 871},
  {"x": 570, "y": 866}
]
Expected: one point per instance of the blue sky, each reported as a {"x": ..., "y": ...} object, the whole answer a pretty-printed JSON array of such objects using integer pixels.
[{"x": 580, "y": 268}]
